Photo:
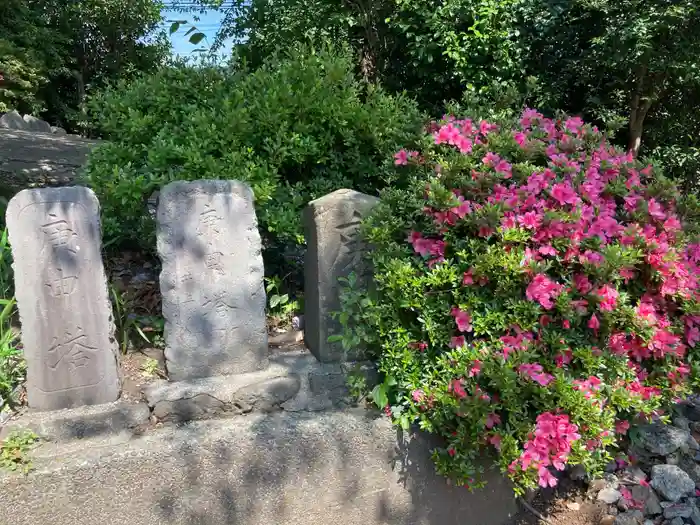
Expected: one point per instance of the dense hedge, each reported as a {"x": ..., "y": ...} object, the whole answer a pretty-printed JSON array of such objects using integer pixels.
[
  {"x": 536, "y": 290},
  {"x": 297, "y": 128}
]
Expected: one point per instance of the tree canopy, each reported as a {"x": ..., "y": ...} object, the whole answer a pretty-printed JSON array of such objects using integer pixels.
[{"x": 53, "y": 51}]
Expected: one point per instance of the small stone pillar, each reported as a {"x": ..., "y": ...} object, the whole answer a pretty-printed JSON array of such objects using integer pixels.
[{"x": 334, "y": 250}]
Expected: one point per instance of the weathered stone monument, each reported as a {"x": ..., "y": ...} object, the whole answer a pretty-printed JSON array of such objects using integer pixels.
[
  {"x": 61, "y": 290},
  {"x": 334, "y": 250},
  {"x": 212, "y": 279}
]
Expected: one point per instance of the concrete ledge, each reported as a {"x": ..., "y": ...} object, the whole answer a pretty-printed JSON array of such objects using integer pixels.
[
  {"x": 330, "y": 468},
  {"x": 80, "y": 423}
]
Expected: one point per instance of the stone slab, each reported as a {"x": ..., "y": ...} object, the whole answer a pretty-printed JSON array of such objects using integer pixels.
[
  {"x": 80, "y": 423},
  {"x": 294, "y": 469},
  {"x": 12, "y": 120},
  {"x": 67, "y": 328},
  {"x": 212, "y": 279},
  {"x": 331, "y": 226}
]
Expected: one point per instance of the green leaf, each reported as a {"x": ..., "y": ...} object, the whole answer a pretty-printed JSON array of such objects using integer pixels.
[
  {"x": 335, "y": 338},
  {"x": 174, "y": 27},
  {"x": 197, "y": 38},
  {"x": 379, "y": 396},
  {"x": 274, "y": 301}
]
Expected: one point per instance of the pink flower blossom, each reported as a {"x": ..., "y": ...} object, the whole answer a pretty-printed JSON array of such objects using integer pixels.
[
  {"x": 463, "y": 319},
  {"x": 418, "y": 396},
  {"x": 593, "y": 323},
  {"x": 492, "y": 420},
  {"x": 583, "y": 285},
  {"x": 475, "y": 368},
  {"x": 543, "y": 290},
  {"x": 535, "y": 373},
  {"x": 456, "y": 387},
  {"x": 608, "y": 298},
  {"x": 656, "y": 210},
  {"x": 530, "y": 220},
  {"x": 564, "y": 194},
  {"x": 468, "y": 278},
  {"x": 622, "y": 426},
  {"x": 458, "y": 341},
  {"x": 401, "y": 158}
]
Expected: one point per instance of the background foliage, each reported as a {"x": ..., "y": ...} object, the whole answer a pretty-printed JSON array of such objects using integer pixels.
[
  {"x": 52, "y": 52},
  {"x": 296, "y": 128}
]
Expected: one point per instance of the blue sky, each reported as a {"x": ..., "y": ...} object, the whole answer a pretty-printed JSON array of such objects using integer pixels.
[{"x": 208, "y": 23}]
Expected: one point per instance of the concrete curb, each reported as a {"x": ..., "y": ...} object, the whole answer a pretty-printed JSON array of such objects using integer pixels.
[{"x": 339, "y": 467}]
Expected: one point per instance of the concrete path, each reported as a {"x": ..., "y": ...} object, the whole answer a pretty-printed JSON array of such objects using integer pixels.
[{"x": 29, "y": 159}]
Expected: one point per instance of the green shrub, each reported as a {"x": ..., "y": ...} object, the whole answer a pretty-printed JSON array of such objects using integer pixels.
[
  {"x": 536, "y": 290},
  {"x": 297, "y": 128}
]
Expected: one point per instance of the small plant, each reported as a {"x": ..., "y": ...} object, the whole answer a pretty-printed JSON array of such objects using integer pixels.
[
  {"x": 280, "y": 306},
  {"x": 126, "y": 322},
  {"x": 150, "y": 368},
  {"x": 14, "y": 450},
  {"x": 12, "y": 364},
  {"x": 7, "y": 285},
  {"x": 357, "y": 384}
]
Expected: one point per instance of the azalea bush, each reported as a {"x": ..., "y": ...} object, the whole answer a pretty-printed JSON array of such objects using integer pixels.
[{"x": 536, "y": 291}]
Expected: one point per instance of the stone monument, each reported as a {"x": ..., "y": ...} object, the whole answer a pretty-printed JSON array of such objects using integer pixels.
[
  {"x": 61, "y": 290},
  {"x": 334, "y": 250},
  {"x": 212, "y": 279}
]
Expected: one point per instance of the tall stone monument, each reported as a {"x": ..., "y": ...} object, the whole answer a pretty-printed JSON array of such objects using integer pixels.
[
  {"x": 61, "y": 290},
  {"x": 334, "y": 250},
  {"x": 212, "y": 279}
]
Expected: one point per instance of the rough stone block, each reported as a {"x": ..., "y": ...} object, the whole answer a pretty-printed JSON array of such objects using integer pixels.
[
  {"x": 212, "y": 279},
  {"x": 36, "y": 124},
  {"x": 61, "y": 290},
  {"x": 13, "y": 120},
  {"x": 57, "y": 130},
  {"x": 334, "y": 250}
]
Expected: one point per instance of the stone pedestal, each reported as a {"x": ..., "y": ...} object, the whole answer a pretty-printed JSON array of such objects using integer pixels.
[
  {"x": 334, "y": 250},
  {"x": 212, "y": 279},
  {"x": 61, "y": 291}
]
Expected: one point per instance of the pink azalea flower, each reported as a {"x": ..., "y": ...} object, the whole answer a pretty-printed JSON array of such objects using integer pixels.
[
  {"x": 593, "y": 323},
  {"x": 495, "y": 440},
  {"x": 563, "y": 193},
  {"x": 546, "y": 479},
  {"x": 543, "y": 290},
  {"x": 418, "y": 396},
  {"x": 456, "y": 387},
  {"x": 583, "y": 285},
  {"x": 520, "y": 138},
  {"x": 463, "y": 319},
  {"x": 458, "y": 342},
  {"x": 530, "y": 220},
  {"x": 608, "y": 298},
  {"x": 656, "y": 210},
  {"x": 475, "y": 368},
  {"x": 468, "y": 277},
  {"x": 492, "y": 420},
  {"x": 622, "y": 426},
  {"x": 401, "y": 158}
]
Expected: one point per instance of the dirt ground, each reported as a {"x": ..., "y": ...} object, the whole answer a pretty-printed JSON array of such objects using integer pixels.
[{"x": 567, "y": 505}]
